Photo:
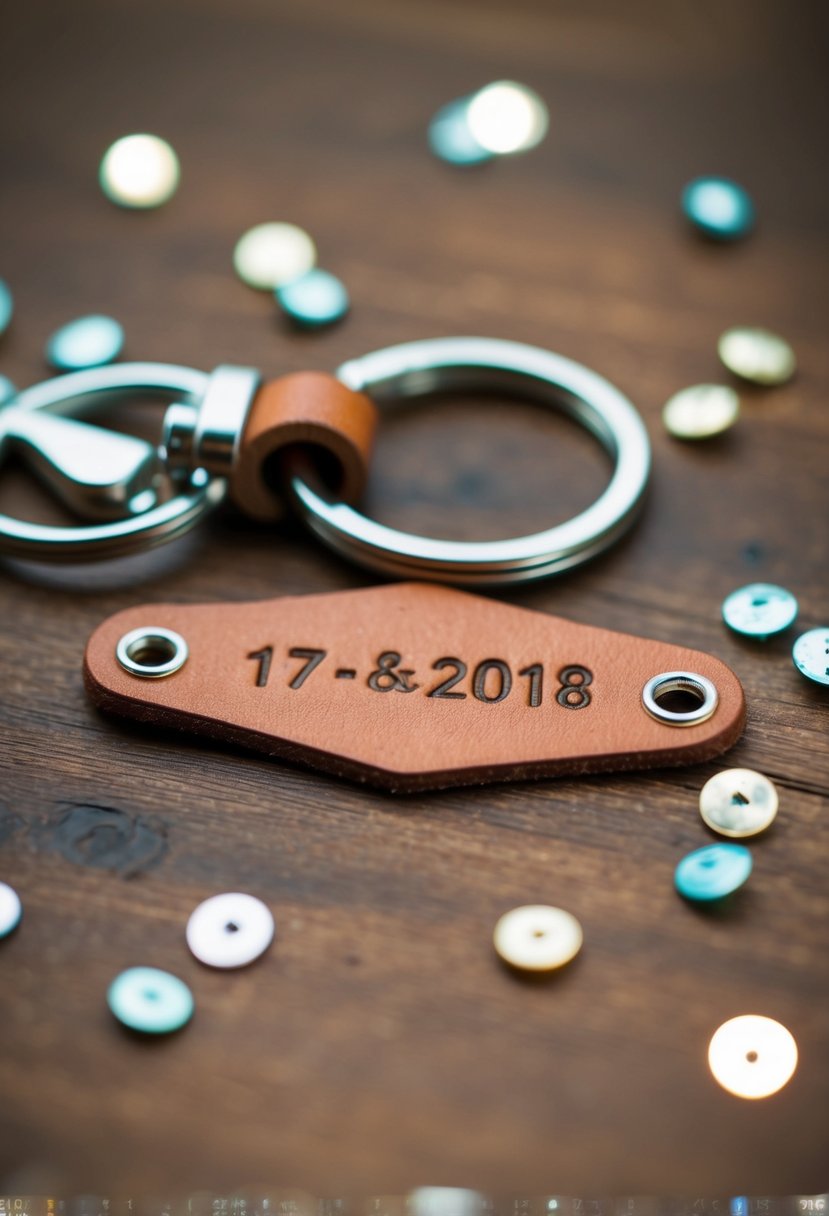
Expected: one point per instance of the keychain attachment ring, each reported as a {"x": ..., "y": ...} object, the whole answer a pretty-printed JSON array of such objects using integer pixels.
[
  {"x": 79, "y": 393},
  {"x": 416, "y": 369}
]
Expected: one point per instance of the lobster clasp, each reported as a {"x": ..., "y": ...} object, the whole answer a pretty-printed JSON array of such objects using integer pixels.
[
  {"x": 96, "y": 473},
  {"x": 117, "y": 480}
]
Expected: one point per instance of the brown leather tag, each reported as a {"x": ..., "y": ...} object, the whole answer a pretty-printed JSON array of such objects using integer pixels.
[{"x": 414, "y": 686}]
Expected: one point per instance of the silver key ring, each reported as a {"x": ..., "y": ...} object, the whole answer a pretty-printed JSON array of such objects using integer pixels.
[
  {"x": 415, "y": 369},
  {"x": 115, "y": 478}
]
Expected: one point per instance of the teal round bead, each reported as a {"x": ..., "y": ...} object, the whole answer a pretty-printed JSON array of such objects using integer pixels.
[
  {"x": 314, "y": 299},
  {"x": 712, "y": 872},
  {"x": 6, "y": 307},
  {"x": 88, "y": 342},
  {"x": 149, "y": 1000},
  {"x": 718, "y": 207},
  {"x": 451, "y": 139}
]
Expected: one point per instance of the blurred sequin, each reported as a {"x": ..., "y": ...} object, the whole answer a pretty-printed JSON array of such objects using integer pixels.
[
  {"x": 271, "y": 255},
  {"x": 139, "y": 171},
  {"x": 151, "y": 1001},
  {"x": 6, "y": 307},
  {"x": 8, "y": 391},
  {"x": 315, "y": 299},
  {"x": 757, "y": 355},
  {"x": 811, "y": 655},
  {"x": 712, "y": 872},
  {"x": 537, "y": 937},
  {"x": 451, "y": 139},
  {"x": 11, "y": 909},
  {"x": 87, "y": 342},
  {"x": 506, "y": 117},
  {"x": 718, "y": 207},
  {"x": 752, "y": 1056},
  {"x": 701, "y": 411}
]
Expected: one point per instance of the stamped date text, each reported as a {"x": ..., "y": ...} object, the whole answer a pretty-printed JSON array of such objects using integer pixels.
[{"x": 491, "y": 680}]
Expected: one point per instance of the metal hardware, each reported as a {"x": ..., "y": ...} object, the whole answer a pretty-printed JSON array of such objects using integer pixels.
[
  {"x": 698, "y": 689},
  {"x": 151, "y": 652},
  {"x": 118, "y": 479},
  {"x": 415, "y": 369},
  {"x": 93, "y": 469}
]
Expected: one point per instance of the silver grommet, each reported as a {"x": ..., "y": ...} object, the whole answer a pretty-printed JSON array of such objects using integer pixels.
[
  {"x": 151, "y": 652},
  {"x": 693, "y": 687}
]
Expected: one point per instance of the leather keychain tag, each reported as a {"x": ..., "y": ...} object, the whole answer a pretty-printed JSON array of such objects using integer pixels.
[{"x": 415, "y": 686}]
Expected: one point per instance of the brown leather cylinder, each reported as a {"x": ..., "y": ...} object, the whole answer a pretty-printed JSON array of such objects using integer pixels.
[{"x": 304, "y": 408}]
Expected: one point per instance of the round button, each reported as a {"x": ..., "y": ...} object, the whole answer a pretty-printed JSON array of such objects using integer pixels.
[
  {"x": 752, "y": 1056},
  {"x": 11, "y": 909},
  {"x": 139, "y": 171},
  {"x": 316, "y": 299},
  {"x": 811, "y": 655},
  {"x": 6, "y": 307},
  {"x": 537, "y": 937},
  {"x": 230, "y": 930},
  {"x": 271, "y": 255},
  {"x": 149, "y": 1000},
  {"x": 718, "y": 207},
  {"x": 701, "y": 411},
  {"x": 738, "y": 802},
  {"x": 87, "y": 342},
  {"x": 757, "y": 355},
  {"x": 712, "y": 872},
  {"x": 759, "y": 610}
]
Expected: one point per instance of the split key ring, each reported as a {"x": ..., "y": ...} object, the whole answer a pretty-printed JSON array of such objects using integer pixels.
[{"x": 265, "y": 441}]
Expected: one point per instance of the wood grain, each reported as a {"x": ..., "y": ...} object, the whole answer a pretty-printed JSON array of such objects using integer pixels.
[{"x": 380, "y": 1045}]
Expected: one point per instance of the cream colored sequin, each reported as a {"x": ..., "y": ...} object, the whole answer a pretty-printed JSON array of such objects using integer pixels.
[
  {"x": 139, "y": 171},
  {"x": 738, "y": 802},
  {"x": 757, "y": 355},
  {"x": 271, "y": 255},
  {"x": 701, "y": 411},
  {"x": 506, "y": 117},
  {"x": 752, "y": 1056},
  {"x": 537, "y": 937}
]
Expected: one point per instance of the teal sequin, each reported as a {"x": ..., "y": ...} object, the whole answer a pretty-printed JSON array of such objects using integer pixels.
[
  {"x": 451, "y": 139},
  {"x": 759, "y": 610},
  {"x": 712, "y": 872},
  {"x": 7, "y": 390},
  {"x": 6, "y": 307},
  {"x": 87, "y": 342},
  {"x": 149, "y": 1000},
  {"x": 314, "y": 299},
  {"x": 718, "y": 207}
]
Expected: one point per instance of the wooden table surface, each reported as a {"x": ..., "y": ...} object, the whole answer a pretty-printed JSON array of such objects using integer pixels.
[{"x": 380, "y": 1045}]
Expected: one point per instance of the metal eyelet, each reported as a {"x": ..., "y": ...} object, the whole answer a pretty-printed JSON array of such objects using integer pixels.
[
  {"x": 699, "y": 688},
  {"x": 151, "y": 652}
]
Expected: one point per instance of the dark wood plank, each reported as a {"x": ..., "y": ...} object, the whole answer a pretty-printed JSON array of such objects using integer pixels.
[{"x": 380, "y": 1045}]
